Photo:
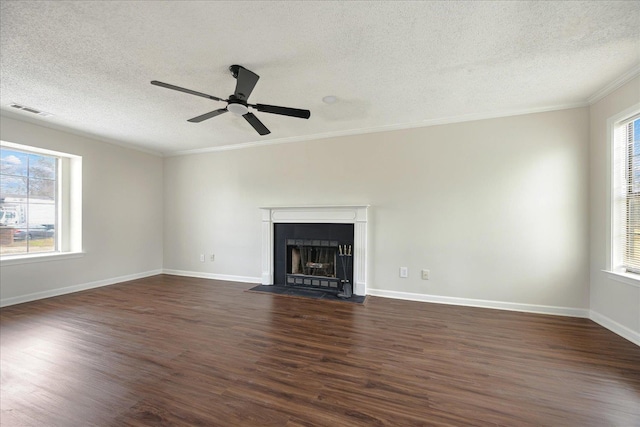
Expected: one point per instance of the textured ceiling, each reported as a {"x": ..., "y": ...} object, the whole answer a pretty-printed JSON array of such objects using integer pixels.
[{"x": 390, "y": 64}]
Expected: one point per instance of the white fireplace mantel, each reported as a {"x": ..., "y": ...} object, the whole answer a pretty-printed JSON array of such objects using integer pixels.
[{"x": 356, "y": 215}]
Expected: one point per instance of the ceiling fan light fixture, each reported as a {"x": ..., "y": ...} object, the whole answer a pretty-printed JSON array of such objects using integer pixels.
[{"x": 238, "y": 109}]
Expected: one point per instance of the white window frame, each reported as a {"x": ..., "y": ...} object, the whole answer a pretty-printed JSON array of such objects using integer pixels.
[
  {"x": 69, "y": 208},
  {"x": 617, "y": 203}
]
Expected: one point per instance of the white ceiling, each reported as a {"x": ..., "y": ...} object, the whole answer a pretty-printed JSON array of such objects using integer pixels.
[{"x": 390, "y": 64}]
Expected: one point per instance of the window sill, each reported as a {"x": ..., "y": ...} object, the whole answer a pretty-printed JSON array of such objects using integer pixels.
[
  {"x": 26, "y": 259},
  {"x": 627, "y": 278}
]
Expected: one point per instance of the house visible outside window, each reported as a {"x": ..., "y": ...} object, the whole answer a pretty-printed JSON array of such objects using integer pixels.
[
  {"x": 28, "y": 202},
  {"x": 40, "y": 202},
  {"x": 626, "y": 196}
]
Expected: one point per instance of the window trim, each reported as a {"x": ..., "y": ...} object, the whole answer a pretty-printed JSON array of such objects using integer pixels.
[
  {"x": 614, "y": 262},
  {"x": 68, "y": 209},
  {"x": 38, "y": 257}
]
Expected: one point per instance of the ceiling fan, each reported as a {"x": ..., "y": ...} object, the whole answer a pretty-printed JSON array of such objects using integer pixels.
[{"x": 237, "y": 103}]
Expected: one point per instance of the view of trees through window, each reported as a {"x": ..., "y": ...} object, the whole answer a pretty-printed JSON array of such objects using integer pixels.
[{"x": 28, "y": 200}]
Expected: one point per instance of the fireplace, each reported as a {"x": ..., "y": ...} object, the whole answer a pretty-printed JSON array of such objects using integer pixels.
[
  {"x": 313, "y": 255},
  {"x": 332, "y": 240}
]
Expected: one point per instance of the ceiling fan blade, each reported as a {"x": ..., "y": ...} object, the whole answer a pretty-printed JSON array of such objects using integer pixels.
[
  {"x": 257, "y": 124},
  {"x": 246, "y": 82},
  {"x": 189, "y": 91},
  {"x": 285, "y": 111},
  {"x": 207, "y": 115}
]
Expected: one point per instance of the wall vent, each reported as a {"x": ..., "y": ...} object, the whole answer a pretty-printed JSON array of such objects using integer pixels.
[{"x": 30, "y": 110}]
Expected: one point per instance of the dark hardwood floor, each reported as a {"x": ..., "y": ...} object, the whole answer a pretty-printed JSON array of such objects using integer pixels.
[{"x": 170, "y": 350}]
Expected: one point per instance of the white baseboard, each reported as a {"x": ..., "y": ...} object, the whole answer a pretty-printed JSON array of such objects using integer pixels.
[
  {"x": 75, "y": 288},
  {"x": 600, "y": 319},
  {"x": 202, "y": 275},
  {"x": 615, "y": 327},
  {"x": 500, "y": 305}
]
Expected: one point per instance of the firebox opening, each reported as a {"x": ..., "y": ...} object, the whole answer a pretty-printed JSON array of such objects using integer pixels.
[
  {"x": 315, "y": 256},
  {"x": 312, "y": 263}
]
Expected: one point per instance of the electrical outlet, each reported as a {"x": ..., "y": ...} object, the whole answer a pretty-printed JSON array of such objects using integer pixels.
[
  {"x": 201, "y": 257},
  {"x": 212, "y": 257},
  {"x": 425, "y": 274},
  {"x": 404, "y": 272}
]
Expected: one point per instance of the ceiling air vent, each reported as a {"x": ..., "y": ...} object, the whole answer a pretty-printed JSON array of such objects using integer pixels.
[{"x": 30, "y": 110}]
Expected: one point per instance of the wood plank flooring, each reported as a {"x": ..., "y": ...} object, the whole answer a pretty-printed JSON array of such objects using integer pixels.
[{"x": 170, "y": 350}]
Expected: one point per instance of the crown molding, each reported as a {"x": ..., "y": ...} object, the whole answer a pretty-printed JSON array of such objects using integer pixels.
[
  {"x": 625, "y": 78},
  {"x": 47, "y": 124},
  {"x": 363, "y": 131}
]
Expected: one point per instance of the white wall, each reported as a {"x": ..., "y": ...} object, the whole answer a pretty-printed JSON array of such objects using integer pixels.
[
  {"x": 122, "y": 216},
  {"x": 496, "y": 209},
  {"x": 615, "y": 304}
]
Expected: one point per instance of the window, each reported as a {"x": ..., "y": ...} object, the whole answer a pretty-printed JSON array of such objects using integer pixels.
[
  {"x": 28, "y": 202},
  {"x": 40, "y": 193},
  {"x": 626, "y": 195}
]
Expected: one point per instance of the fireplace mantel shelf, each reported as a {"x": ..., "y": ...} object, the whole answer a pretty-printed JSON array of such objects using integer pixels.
[{"x": 339, "y": 214}]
